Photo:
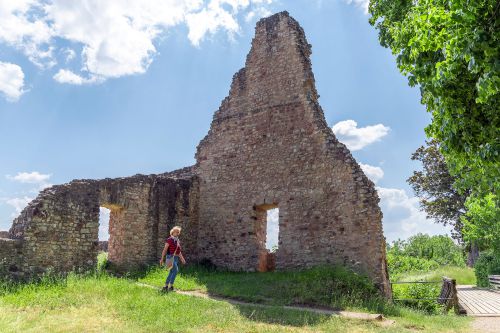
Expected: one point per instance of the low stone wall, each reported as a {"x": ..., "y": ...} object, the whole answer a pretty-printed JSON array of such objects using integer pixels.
[
  {"x": 58, "y": 231},
  {"x": 103, "y": 246},
  {"x": 10, "y": 257}
]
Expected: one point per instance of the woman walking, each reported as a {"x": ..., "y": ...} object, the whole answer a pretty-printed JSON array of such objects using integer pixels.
[{"x": 173, "y": 252}]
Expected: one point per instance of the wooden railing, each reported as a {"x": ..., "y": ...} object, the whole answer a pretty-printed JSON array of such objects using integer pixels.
[
  {"x": 494, "y": 281},
  {"x": 448, "y": 295}
]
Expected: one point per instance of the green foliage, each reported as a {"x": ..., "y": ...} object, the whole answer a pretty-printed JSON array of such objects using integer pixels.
[
  {"x": 439, "y": 248},
  {"x": 434, "y": 188},
  {"x": 102, "y": 261},
  {"x": 482, "y": 222},
  {"x": 450, "y": 49},
  {"x": 423, "y": 258},
  {"x": 419, "y": 296},
  {"x": 423, "y": 253},
  {"x": 487, "y": 264},
  {"x": 399, "y": 264}
]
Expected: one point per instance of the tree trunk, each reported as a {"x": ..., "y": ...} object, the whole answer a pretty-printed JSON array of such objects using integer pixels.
[{"x": 473, "y": 254}]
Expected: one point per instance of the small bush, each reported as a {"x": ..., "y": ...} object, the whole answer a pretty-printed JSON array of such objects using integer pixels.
[
  {"x": 102, "y": 261},
  {"x": 419, "y": 296},
  {"x": 487, "y": 264},
  {"x": 440, "y": 249},
  {"x": 399, "y": 264}
]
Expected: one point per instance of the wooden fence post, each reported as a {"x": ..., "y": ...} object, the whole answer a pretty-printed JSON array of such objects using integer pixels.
[
  {"x": 455, "y": 296},
  {"x": 448, "y": 295}
]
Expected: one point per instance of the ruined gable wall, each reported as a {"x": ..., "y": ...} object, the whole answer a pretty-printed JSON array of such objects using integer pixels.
[{"x": 269, "y": 144}]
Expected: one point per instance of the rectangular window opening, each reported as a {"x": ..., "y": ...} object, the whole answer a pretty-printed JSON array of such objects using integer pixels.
[
  {"x": 102, "y": 256},
  {"x": 272, "y": 229}
]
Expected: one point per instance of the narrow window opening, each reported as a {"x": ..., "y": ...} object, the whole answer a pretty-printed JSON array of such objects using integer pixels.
[
  {"x": 272, "y": 229},
  {"x": 104, "y": 224},
  {"x": 267, "y": 219},
  {"x": 102, "y": 254}
]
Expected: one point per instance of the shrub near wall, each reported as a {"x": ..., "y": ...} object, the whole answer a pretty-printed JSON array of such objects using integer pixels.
[{"x": 487, "y": 264}]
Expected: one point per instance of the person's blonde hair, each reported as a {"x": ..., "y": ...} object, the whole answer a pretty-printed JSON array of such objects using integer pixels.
[{"x": 175, "y": 228}]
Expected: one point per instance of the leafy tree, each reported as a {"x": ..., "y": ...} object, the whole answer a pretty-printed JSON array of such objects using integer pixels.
[
  {"x": 450, "y": 48},
  {"x": 422, "y": 253},
  {"x": 487, "y": 264},
  {"x": 482, "y": 222},
  {"x": 434, "y": 187},
  {"x": 440, "y": 249}
]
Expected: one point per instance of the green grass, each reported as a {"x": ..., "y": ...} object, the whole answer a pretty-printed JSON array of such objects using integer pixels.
[
  {"x": 410, "y": 292},
  {"x": 336, "y": 288},
  {"x": 101, "y": 303},
  {"x": 463, "y": 275}
]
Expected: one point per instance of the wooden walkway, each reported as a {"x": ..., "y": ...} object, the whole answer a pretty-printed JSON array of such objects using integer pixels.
[{"x": 479, "y": 302}]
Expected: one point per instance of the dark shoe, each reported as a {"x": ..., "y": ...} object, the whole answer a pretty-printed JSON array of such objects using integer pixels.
[
  {"x": 164, "y": 289},
  {"x": 171, "y": 288}
]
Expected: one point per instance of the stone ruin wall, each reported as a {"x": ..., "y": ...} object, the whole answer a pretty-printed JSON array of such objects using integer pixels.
[
  {"x": 58, "y": 231},
  {"x": 268, "y": 146}
]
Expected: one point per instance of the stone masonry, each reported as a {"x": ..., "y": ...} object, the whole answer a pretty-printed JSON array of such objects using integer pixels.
[{"x": 269, "y": 146}]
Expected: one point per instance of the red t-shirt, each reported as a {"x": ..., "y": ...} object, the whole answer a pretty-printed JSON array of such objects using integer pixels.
[{"x": 172, "y": 245}]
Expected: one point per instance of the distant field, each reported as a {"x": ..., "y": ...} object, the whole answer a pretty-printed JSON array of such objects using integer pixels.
[{"x": 101, "y": 303}]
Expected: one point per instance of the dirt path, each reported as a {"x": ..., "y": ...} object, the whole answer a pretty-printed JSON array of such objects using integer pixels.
[
  {"x": 486, "y": 324},
  {"x": 347, "y": 314}
]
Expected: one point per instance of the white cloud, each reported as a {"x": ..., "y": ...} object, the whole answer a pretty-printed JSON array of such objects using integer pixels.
[
  {"x": 257, "y": 13},
  {"x": 372, "y": 172},
  {"x": 19, "y": 204},
  {"x": 22, "y": 27},
  {"x": 69, "y": 54},
  {"x": 11, "y": 81},
  {"x": 116, "y": 37},
  {"x": 363, "y": 4},
  {"x": 355, "y": 138},
  {"x": 402, "y": 217},
  {"x": 67, "y": 76},
  {"x": 209, "y": 21},
  {"x": 34, "y": 177}
]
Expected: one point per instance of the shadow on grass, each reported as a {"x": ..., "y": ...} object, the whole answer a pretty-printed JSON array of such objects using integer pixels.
[
  {"x": 334, "y": 288},
  {"x": 280, "y": 316}
]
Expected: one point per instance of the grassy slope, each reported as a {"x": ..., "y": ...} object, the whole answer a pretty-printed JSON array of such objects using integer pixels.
[
  {"x": 108, "y": 304},
  {"x": 463, "y": 275},
  {"x": 335, "y": 288}
]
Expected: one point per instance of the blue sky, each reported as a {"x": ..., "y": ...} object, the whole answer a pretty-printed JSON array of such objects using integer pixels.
[{"x": 94, "y": 89}]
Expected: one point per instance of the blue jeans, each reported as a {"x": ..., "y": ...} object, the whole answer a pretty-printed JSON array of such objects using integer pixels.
[{"x": 173, "y": 271}]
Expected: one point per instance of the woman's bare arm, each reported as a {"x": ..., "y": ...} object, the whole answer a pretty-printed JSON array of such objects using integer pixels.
[{"x": 164, "y": 253}]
